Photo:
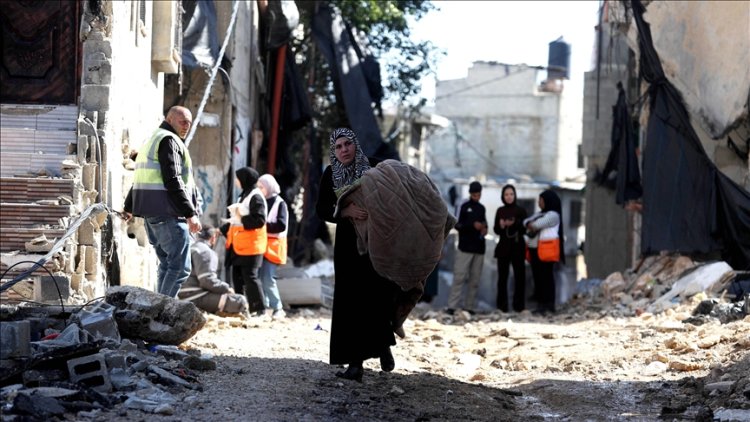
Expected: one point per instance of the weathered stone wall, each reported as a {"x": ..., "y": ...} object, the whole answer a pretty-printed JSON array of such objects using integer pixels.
[
  {"x": 126, "y": 96},
  {"x": 502, "y": 127},
  {"x": 608, "y": 233},
  {"x": 712, "y": 73}
]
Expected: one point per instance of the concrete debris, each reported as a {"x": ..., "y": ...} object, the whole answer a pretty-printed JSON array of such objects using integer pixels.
[
  {"x": 656, "y": 284},
  {"x": 39, "y": 244},
  {"x": 86, "y": 366},
  {"x": 152, "y": 317}
]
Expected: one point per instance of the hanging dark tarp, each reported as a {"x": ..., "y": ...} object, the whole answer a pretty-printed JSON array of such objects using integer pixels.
[
  {"x": 621, "y": 171},
  {"x": 688, "y": 204},
  {"x": 283, "y": 17},
  {"x": 337, "y": 46},
  {"x": 200, "y": 40}
]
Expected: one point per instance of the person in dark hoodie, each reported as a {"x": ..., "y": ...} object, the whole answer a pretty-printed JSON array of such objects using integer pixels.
[
  {"x": 510, "y": 250},
  {"x": 163, "y": 193},
  {"x": 247, "y": 239},
  {"x": 467, "y": 267},
  {"x": 546, "y": 224}
]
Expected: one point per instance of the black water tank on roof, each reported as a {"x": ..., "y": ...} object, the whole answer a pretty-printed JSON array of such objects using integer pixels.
[{"x": 559, "y": 60}]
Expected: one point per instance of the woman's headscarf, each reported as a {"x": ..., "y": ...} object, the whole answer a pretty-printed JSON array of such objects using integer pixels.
[
  {"x": 552, "y": 203},
  {"x": 344, "y": 175},
  {"x": 508, "y": 210},
  {"x": 270, "y": 184},
  {"x": 502, "y": 194},
  {"x": 248, "y": 178}
]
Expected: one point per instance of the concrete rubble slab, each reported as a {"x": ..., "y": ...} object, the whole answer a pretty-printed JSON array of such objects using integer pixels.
[{"x": 152, "y": 317}]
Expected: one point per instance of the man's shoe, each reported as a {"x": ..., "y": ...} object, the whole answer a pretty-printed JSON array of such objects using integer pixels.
[
  {"x": 278, "y": 314},
  {"x": 450, "y": 311},
  {"x": 387, "y": 363}
]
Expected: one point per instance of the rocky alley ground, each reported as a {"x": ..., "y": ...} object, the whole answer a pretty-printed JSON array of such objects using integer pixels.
[{"x": 577, "y": 365}]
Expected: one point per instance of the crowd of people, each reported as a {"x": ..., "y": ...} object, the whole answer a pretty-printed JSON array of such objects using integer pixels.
[
  {"x": 165, "y": 196},
  {"x": 364, "y": 321},
  {"x": 537, "y": 239}
]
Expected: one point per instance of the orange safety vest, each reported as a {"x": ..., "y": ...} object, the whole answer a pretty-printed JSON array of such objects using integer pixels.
[
  {"x": 277, "y": 246},
  {"x": 247, "y": 242}
]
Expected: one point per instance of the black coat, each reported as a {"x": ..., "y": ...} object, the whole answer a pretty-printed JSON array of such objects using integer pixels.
[{"x": 363, "y": 301}]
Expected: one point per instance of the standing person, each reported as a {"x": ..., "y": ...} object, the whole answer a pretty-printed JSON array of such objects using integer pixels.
[
  {"x": 546, "y": 224},
  {"x": 246, "y": 239},
  {"x": 510, "y": 250},
  {"x": 203, "y": 287},
  {"x": 277, "y": 222},
  {"x": 467, "y": 267},
  {"x": 363, "y": 301},
  {"x": 163, "y": 193}
]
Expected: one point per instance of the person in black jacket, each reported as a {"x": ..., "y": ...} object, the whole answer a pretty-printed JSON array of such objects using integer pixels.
[
  {"x": 164, "y": 194},
  {"x": 510, "y": 250},
  {"x": 467, "y": 267},
  {"x": 246, "y": 240}
]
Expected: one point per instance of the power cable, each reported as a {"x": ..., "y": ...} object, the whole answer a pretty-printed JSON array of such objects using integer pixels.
[
  {"x": 35, "y": 265},
  {"x": 230, "y": 28},
  {"x": 476, "y": 85}
]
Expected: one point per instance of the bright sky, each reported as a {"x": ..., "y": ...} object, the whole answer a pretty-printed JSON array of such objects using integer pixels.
[{"x": 510, "y": 32}]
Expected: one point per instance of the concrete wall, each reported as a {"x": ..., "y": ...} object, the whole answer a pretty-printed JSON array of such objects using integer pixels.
[
  {"x": 712, "y": 72},
  {"x": 129, "y": 106},
  {"x": 502, "y": 127},
  {"x": 608, "y": 234}
]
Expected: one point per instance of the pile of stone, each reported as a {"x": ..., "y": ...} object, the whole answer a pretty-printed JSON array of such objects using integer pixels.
[
  {"x": 656, "y": 284},
  {"x": 120, "y": 352}
]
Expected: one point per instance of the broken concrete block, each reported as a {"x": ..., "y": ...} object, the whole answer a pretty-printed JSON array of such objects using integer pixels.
[
  {"x": 92, "y": 260},
  {"x": 99, "y": 321},
  {"x": 91, "y": 371},
  {"x": 48, "y": 288},
  {"x": 15, "y": 339},
  {"x": 39, "y": 244},
  {"x": 87, "y": 233},
  {"x": 153, "y": 317},
  {"x": 88, "y": 178}
]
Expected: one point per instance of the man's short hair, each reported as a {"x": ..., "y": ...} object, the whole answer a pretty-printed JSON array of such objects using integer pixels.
[{"x": 207, "y": 232}]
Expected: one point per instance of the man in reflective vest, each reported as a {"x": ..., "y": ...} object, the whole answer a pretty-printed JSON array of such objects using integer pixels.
[{"x": 163, "y": 193}]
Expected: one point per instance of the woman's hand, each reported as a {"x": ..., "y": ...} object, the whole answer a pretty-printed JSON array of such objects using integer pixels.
[{"x": 354, "y": 212}]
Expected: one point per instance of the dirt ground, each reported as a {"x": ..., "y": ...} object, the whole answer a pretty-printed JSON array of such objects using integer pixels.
[{"x": 577, "y": 365}]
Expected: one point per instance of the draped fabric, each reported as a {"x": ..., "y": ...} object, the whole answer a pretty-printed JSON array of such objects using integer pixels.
[{"x": 689, "y": 205}]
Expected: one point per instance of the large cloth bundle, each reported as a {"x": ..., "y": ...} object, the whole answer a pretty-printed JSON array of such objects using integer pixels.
[{"x": 407, "y": 222}]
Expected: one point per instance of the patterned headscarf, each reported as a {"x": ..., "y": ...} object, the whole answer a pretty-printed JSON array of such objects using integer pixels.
[{"x": 345, "y": 175}]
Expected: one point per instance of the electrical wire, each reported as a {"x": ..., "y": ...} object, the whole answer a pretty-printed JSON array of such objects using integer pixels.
[
  {"x": 36, "y": 265},
  {"x": 230, "y": 28}
]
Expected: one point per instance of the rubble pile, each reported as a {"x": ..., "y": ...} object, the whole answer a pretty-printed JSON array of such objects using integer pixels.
[
  {"x": 119, "y": 352},
  {"x": 656, "y": 284}
]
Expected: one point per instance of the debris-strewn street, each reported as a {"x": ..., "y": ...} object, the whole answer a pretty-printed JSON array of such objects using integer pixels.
[{"x": 579, "y": 364}]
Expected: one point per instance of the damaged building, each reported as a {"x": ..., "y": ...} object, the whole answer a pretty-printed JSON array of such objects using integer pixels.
[
  {"x": 83, "y": 85},
  {"x": 667, "y": 133}
]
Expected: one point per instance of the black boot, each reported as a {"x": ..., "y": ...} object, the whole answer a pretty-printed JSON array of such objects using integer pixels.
[
  {"x": 387, "y": 363},
  {"x": 353, "y": 372}
]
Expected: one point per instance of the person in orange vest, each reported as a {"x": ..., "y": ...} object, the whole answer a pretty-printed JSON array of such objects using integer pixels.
[
  {"x": 247, "y": 239},
  {"x": 277, "y": 223}
]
